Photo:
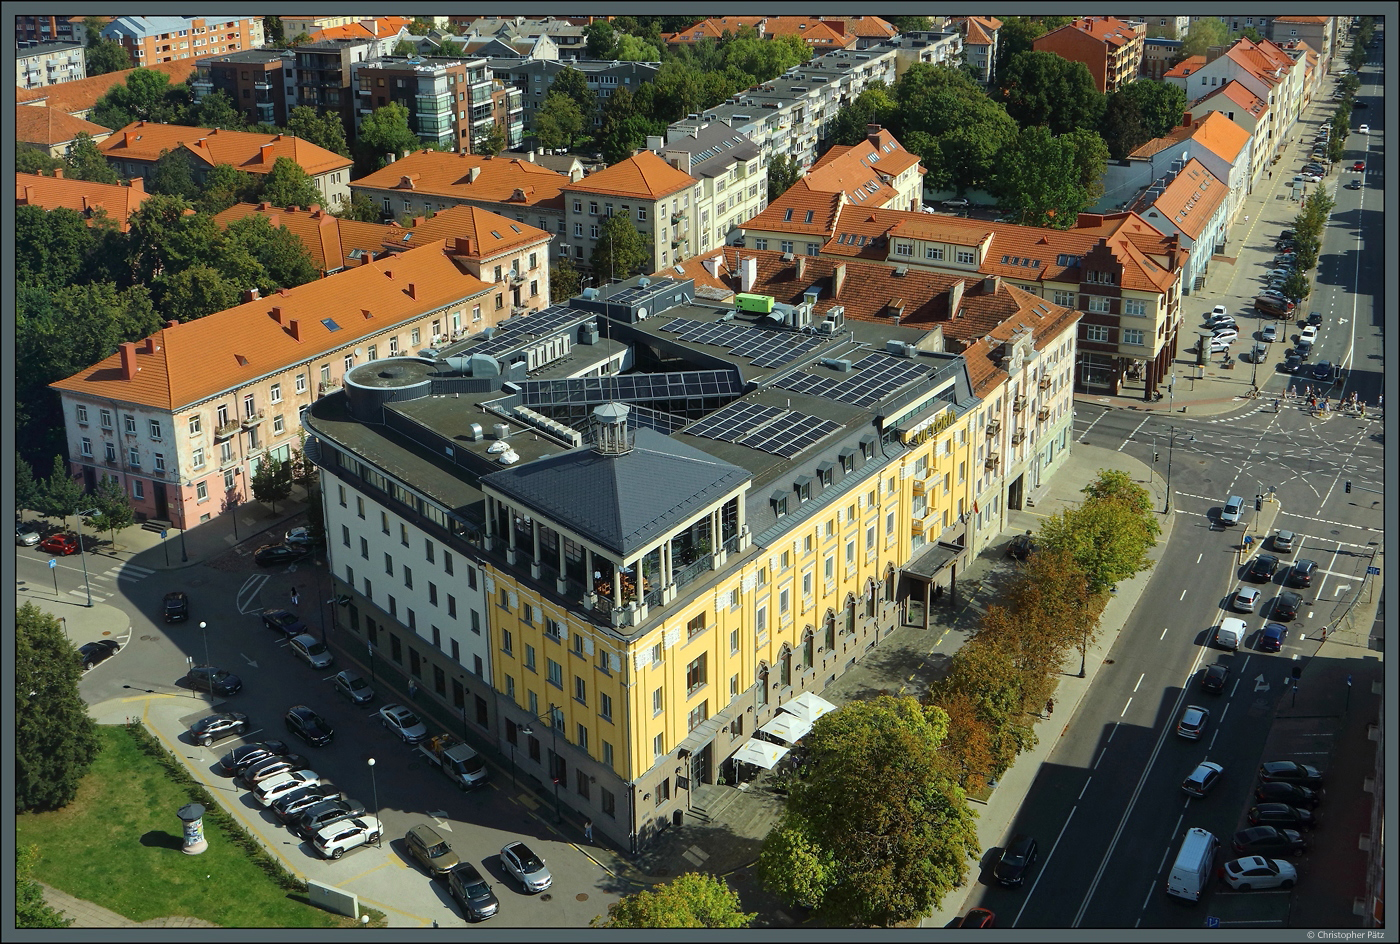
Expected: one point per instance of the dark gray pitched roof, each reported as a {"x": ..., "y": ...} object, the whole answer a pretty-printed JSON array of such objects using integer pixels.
[{"x": 620, "y": 502}]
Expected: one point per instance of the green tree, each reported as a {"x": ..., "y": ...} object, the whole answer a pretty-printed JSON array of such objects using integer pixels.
[
  {"x": 1252, "y": 34},
  {"x": 62, "y": 494},
  {"x": 450, "y": 47},
  {"x": 92, "y": 29},
  {"x": 1042, "y": 177},
  {"x": 1122, "y": 126},
  {"x": 33, "y": 160},
  {"x": 405, "y": 48},
  {"x": 164, "y": 239},
  {"x": 273, "y": 31},
  {"x": 299, "y": 38},
  {"x": 983, "y": 679},
  {"x": 880, "y": 802},
  {"x": 31, "y": 910},
  {"x": 55, "y": 738},
  {"x": 1161, "y": 104},
  {"x": 783, "y": 172},
  {"x": 558, "y": 121},
  {"x": 174, "y": 175},
  {"x": 600, "y": 40},
  {"x": 326, "y": 131},
  {"x": 564, "y": 281},
  {"x": 224, "y": 186},
  {"x": 875, "y": 106},
  {"x": 1108, "y": 537},
  {"x": 491, "y": 143},
  {"x": 384, "y": 131},
  {"x": 272, "y": 482},
  {"x": 194, "y": 292},
  {"x": 145, "y": 95},
  {"x": 1206, "y": 32},
  {"x": 1041, "y": 88},
  {"x": 910, "y": 24},
  {"x": 106, "y": 56},
  {"x": 217, "y": 111},
  {"x": 28, "y": 490},
  {"x": 692, "y": 900},
  {"x": 573, "y": 83},
  {"x": 281, "y": 259},
  {"x": 360, "y": 208},
  {"x": 1017, "y": 35},
  {"x": 288, "y": 184},
  {"x": 304, "y": 472},
  {"x": 52, "y": 247},
  {"x": 636, "y": 49},
  {"x": 967, "y": 130},
  {"x": 114, "y": 511},
  {"x": 83, "y": 161},
  {"x": 764, "y": 59},
  {"x": 621, "y": 251}
]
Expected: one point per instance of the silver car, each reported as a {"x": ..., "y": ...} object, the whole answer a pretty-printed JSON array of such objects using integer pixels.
[
  {"x": 312, "y": 650},
  {"x": 354, "y": 687},
  {"x": 26, "y": 536},
  {"x": 527, "y": 868}
]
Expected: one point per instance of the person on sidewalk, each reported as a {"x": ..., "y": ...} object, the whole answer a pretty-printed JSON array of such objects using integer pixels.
[
  {"x": 295, "y": 598},
  {"x": 1049, "y": 707},
  {"x": 588, "y": 830}
]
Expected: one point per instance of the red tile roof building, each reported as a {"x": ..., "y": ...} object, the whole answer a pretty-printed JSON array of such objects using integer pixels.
[
  {"x": 655, "y": 195},
  {"x": 1111, "y": 48},
  {"x": 52, "y": 130},
  {"x": 113, "y": 201},
  {"x": 209, "y": 399},
  {"x": 77, "y": 98},
  {"x": 821, "y": 33},
  {"x": 980, "y": 35},
  {"x": 152, "y": 39}
]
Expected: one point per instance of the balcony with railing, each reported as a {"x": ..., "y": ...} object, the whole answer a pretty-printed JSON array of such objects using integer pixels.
[
  {"x": 225, "y": 430},
  {"x": 253, "y": 419}
]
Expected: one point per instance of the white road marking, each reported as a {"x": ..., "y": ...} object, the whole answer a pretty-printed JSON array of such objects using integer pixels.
[{"x": 1129, "y": 437}]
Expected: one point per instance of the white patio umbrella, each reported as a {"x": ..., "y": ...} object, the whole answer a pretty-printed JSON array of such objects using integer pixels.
[
  {"x": 808, "y": 706},
  {"x": 760, "y": 753},
  {"x": 787, "y": 726}
]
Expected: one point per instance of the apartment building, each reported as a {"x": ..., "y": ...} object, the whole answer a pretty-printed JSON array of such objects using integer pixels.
[
  {"x": 931, "y": 47},
  {"x": 1222, "y": 146},
  {"x": 385, "y": 32},
  {"x": 108, "y": 202},
  {"x": 52, "y": 130},
  {"x": 667, "y": 206},
  {"x": 182, "y": 419},
  {"x": 1319, "y": 33},
  {"x": 980, "y": 35},
  {"x": 1264, "y": 69},
  {"x": 255, "y": 81},
  {"x": 732, "y": 182},
  {"x": 152, "y": 39},
  {"x": 32, "y": 28},
  {"x": 448, "y": 100},
  {"x": 48, "y": 62},
  {"x": 293, "y": 26},
  {"x": 1111, "y": 48},
  {"x": 1193, "y": 205},
  {"x": 134, "y": 150},
  {"x": 323, "y": 76},
  {"x": 1251, "y": 113},
  {"x": 427, "y": 182},
  {"x": 1159, "y": 54},
  {"x": 534, "y": 76}
]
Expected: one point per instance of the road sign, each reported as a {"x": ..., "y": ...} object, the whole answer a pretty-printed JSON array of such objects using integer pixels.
[
  {"x": 1212, "y": 921},
  {"x": 165, "y": 533},
  {"x": 1373, "y": 571}
]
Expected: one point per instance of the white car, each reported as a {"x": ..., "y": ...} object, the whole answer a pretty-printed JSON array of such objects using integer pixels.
[
  {"x": 1226, "y": 336},
  {"x": 1308, "y": 178},
  {"x": 1259, "y": 872},
  {"x": 963, "y": 201},
  {"x": 282, "y": 784},
  {"x": 1364, "y": 129},
  {"x": 1245, "y": 599},
  {"x": 403, "y": 722},
  {"x": 1220, "y": 344},
  {"x": 1308, "y": 334},
  {"x": 1217, "y": 311},
  {"x": 335, "y": 840},
  {"x": 1270, "y": 333}
]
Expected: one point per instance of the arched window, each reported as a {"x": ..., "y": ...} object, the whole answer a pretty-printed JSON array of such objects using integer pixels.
[
  {"x": 762, "y": 676},
  {"x": 808, "y": 649},
  {"x": 829, "y": 630},
  {"x": 889, "y": 585},
  {"x": 785, "y": 667},
  {"x": 870, "y": 598},
  {"x": 850, "y": 612}
]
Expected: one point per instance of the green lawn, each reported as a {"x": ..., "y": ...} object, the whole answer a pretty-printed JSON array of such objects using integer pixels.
[{"x": 118, "y": 845}]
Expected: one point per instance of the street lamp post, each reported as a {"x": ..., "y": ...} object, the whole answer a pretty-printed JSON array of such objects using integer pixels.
[
  {"x": 204, "y": 631},
  {"x": 374, "y": 784},
  {"x": 554, "y": 734},
  {"x": 184, "y": 526}
]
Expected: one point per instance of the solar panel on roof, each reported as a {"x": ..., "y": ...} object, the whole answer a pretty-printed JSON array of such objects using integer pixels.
[
  {"x": 875, "y": 377},
  {"x": 789, "y": 434},
  {"x": 734, "y": 421}
]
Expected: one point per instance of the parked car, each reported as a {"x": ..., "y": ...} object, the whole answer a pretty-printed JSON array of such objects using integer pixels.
[
  {"x": 525, "y": 867},
  {"x": 1273, "y": 304},
  {"x": 310, "y": 538},
  {"x": 1263, "y": 568},
  {"x": 963, "y": 202},
  {"x": 1203, "y": 779},
  {"x": 1193, "y": 722},
  {"x": 60, "y": 544},
  {"x": 176, "y": 606},
  {"x": 339, "y": 838},
  {"x": 472, "y": 893},
  {"x": 92, "y": 653},
  {"x": 282, "y": 784},
  {"x": 1021, "y": 546},
  {"x": 1286, "y": 605},
  {"x": 403, "y": 722},
  {"x": 1219, "y": 311},
  {"x": 1307, "y": 178},
  {"x": 206, "y": 678},
  {"x": 311, "y": 650},
  {"x": 291, "y": 805},
  {"x": 1272, "y": 637},
  {"x": 1218, "y": 345},
  {"x": 1290, "y": 771},
  {"x": 978, "y": 918},
  {"x": 309, "y": 726},
  {"x": 1245, "y": 599},
  {"x": 206, "y": 731},
  {"x": 1215, "y": 677},
  {"x": 1016, "y": 860},
  {"x": 1308, "y": 334},
  {"x": 286, "y": 623},
  {"x": 246, "y": 755},
  {"x": 317, "y": 817},
  {"x": 1281, "y": 814},
  {"x": 1283, "y": 541},
  {"x": 1314, "y": 317},
  {"x": 1301, "y": 573},
  {"x": 273, "y": 767},
  {"x": 1293, "y": 794},
  {"x": 270, "y": 555},
  {"x": 1268, "y": 840},
  {"x": 354, "y": 687},
  {"x": 432, "y": 851},
  {"x": 1269, "y": 334},
  {"x": 1259, "y": 872},
  {"x": 26, "y": 536}
]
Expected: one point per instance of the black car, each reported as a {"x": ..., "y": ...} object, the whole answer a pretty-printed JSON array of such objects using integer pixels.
[
  {"x": 1301, "y": 573},
  {"x": 1286, "y": 605},
  {"x": 1290, "y": 771},
  {"x": 270, "y": 555},
  {"x": 1215, "y": 678},
  {"x": 316, "y": 818},
  {"x": 1304, "y": 351},
  {"x": 287, "y": 808},
  {"x": 1016, "y": 860},
  {"x": 207, "y": 678},
  {"x": 1358, "y": 103},
  {"x": 1281, "y": 814},
  {"x": 206, "y": 731},
  {"x": 1263, "y": 568},
  {"x": 1322, "y": 371},
  {"x": 1304, "y": 798},
  {"x": 246, "y": 755},
  {"x": 1314, "y": 318},
  {"x": 1021, "y": 546},
  {"x": 1291, "y": 362},
  {"x": 177, "y": 606},
  {"x": 94, "y": 652},
  {"x": 285, "y": 622},
  {"x": 309, "y": 726},
  {"x": 1269, "y": 841},
  {"x": 471, "y": 892}
]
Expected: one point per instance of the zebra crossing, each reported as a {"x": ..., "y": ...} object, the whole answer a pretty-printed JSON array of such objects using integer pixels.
[{"x": 105, "y": 583}]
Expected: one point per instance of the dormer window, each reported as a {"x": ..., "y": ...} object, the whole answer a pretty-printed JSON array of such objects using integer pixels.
[{"x": 803, "y": 485}]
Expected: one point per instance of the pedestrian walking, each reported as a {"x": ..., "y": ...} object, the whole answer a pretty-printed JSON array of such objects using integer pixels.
[
  {"x": 1380, "y": 400},
  {"x": 1312, "y": 402},
  {"x": 412, "y": 689},
  {"x": 1049, "y": 707},
  {"x": 295, "y": 598},
  {"x": 588, "y": 830}
]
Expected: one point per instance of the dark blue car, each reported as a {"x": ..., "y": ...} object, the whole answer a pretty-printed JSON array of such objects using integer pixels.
[{"x": 1271, "y": 639}]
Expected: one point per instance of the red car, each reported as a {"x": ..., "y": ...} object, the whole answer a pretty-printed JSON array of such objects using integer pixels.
[
  {"x": 61, "y": 544},
  {"x": 1359, "y": 165}
]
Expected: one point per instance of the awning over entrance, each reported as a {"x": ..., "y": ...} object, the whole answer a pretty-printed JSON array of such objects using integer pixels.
[
  {"x": 808, "y": 706},
  {"x": 703, "y": 734},
  {"x": 760, "y": 753},
  {"x": 787, "y": 726},
  {"x": 934, "y": 558}
]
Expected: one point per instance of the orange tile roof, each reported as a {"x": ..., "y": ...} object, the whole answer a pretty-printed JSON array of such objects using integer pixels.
[
  {"x": 144, "y": 141},
  {"x": 327, "y": 238},
  {"x": 867, "y": 26},
  {"x": 490, "y": 234},
  {"x": 203, "y": 358},
  {"x": 1301, "y": 19},
  {"x": 977, "y": 32},
  {"x": 799, "y": 209},
  {"x": 858, "y": 171},
  {"x": 1189, "y": 201},
  {"x": 643, "y": 175},
  {"x": 711, "y": 28},
  {"x": 812, "y": 30},
  {"x": 80, "y": 195},
  {"x": 1242, "y": 97},
  {"x": 1106, "y": 29},
  {"x": 442, "y": 173},
  {"x": 1219, "y": 134},
  {"x": 1188, "y": 66},
  {"x": 47, "y": 127},
  {"x": 81, "y": 94},
  {"x": 365, "y": 29}
]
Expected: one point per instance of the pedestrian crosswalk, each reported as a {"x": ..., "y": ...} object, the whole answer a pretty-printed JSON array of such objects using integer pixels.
[{"x": 103, "y": 583}]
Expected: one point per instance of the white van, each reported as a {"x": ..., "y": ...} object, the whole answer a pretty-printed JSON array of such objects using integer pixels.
[
  {"x": 1193, "y": 865},
  {"x": 1230, "y": 633},
  {"x": 1232, "y": 510}
]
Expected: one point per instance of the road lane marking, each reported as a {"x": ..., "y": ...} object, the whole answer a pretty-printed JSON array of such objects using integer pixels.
[
  {"x": 1026, "y": 901},
  {"x": 1129, "y": 437},
  {"x": 1139, "y": 681},
  {"x": 1125, "y": 708}
]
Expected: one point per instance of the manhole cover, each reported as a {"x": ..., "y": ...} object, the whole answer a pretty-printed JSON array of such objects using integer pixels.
[
  {"x": 581, "y": 896},
  {"x": 546, "y": 897}
]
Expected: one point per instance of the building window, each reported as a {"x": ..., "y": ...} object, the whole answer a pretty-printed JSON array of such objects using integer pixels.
[
  {"x": 201, "y": 491},
  {"x": 934, "y": 253},
  {"x": 1132, "y": 336},
  {"x": 130, "y": 423},
  {"x": 695, "y": 674},
  {"x": 556, "y": 673},
  {"x": 83, "y": 416},
  {"x": 580, "y": 690},
  {"x": 658, "y": 747},
  {"x": 155, "y": 429},
  {"x": 138, "y": 489},
  {"x": 133, "y": 457},
  {"x": 605, "y": 706},
  {"x": 279, "y": 425},
  {"x": 301, "y": 383},
  {"x": 276, "y": 393},
  {"x": 658, "y": 701},
  {"x": 785, "y": 245},
  {"x": 530, "y": 657},
  {"x": 760, "y": 243},
  {"x": 698, "y": 715},
  {"x": 1096, "y": 333},
  {"x": 1134, "y": 306},
  {"x": 87, "y": 449}
]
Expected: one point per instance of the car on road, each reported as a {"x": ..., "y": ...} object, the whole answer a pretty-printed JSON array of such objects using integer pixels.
[
  {"x": 1359, "y": 166},
  {"x": 311, "y": 650},
  {"x": 26, "y": 536},
  {"x": 320, "y": 815},
  {"x": 1259, "y": 872},
  {"x": 1021, "y": 546},
  {"x": 1245, "y": 599},
  {"x": 282, "y": 784},
  {"x": 273, "y": 767},
  {"x": 1269, "y": 334},
  {"x": 1286, "y": 605},
  {"x": 1307, "y": 178},
  {"x": 1016, "y": 860},
  {"x": 1263, "y": 568},
  {"x": 1281, "y": 814},
  {"x": 1364, "y": 129},
  {"x": 1314, "y": 317},
  {"x": 176, "y": 606},
  {"x": 1232, "y": 510},
  {"x": 309, "y": 538},
  {"x": 91, "y": 653},
  {"x": 1353, "y": 185},
  {"x": 354, "y": 687},
  {"x": 1291, "y": 362},
  {"x": 206, "y": 731},
  {"x": 60, "y": 544},
  {"x": 525, "y": 867},
  {"x": 977, "y": 918},
  {"x": 1215, "y": 677},
  {"x": 1268, "y": 840},
  {"x": 1272, "y": 637},
  {"x": 285, "y": 622},
  {"x": 1287, "y": 234},
  {"x": 1193, "y": 722},
  {"x": 270, "y": 555},
  {"x": 1301, "y": 573},
  {"x": 1305, "y": 798},
  {"x": 335, "y": 840},
  {"x": 1290, "y": 771},
  {"x": 207, "y": 678},
  {"x": 246, "y": 755},
  {"x": 1308, "y": 334},
  {"x": 472, "y": 893},
  {"x": 309, "y": 726},
  {"x": 432, "y": 851},
  {"x": 1203, "y": 779},
  {"x": 1303, "y": 350},
  {"x": 403, "y": 722},
  {"x": 1284, "y": 540},
  {"x": 959, "y": 202}
]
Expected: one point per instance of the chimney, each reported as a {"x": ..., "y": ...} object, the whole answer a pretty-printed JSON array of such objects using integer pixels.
[
  {"x": 529, "y": 157},
  {"x": 58, "y": 173},
  {"x": 276, "y": 313},
  {"x": 389, "y": 274},
  {"x": 128, "y": 352},
  {"x": 172, "y": 324},
  {"x": 366, "y": 258},
  {"x": 294, "y": 326},
  {"x": 128, "y": 138},
  {"x": 955, "y": 294},
  {"x": 265, "y": 153},
  {"x": 838, "y": 279},
  {"x": 680, "y": 160},
  {"x": 418, "y": 221},
  {"x": 138, "y": 184},
  {"x": 412, "y": 290},
  {"x": 991, "y": 285},
  {"x": 872, "y": 134},
  {"x": 151, "y": 346},
  {"x": 712, "y": 266},
  {"x": 314, "y": 209},
  {"x": 655, "y": 142},
  {"x": 250, "y": 295},
  {"x": 748, "y": 273},
  {"x": 474, "y": 173}
]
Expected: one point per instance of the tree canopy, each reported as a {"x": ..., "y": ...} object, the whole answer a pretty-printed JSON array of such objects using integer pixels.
[
  {"x": 146, "y": 95},
  {"x": 783, "y": 172},
  {"x": 1206, "y": 32},
  {"x": 1109, "y": 534},
  {"x": 383, "y": 132},
  {"x": 1048, "y": 180},
  {"x": 106, "y": 55},
  {"x": 1041, "y": 88},
  {"x": 55, "y": 739},
  {"x": 692, "y": 900},
  {"x": 323, "y": 130},
  {"x": 558, "y": 121},
  {"x": 621, "y": 251},
  {"x": 288, "y": 184},
  {"x": 272, "y": 482},
  {"x": 83, "y": 161}
]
